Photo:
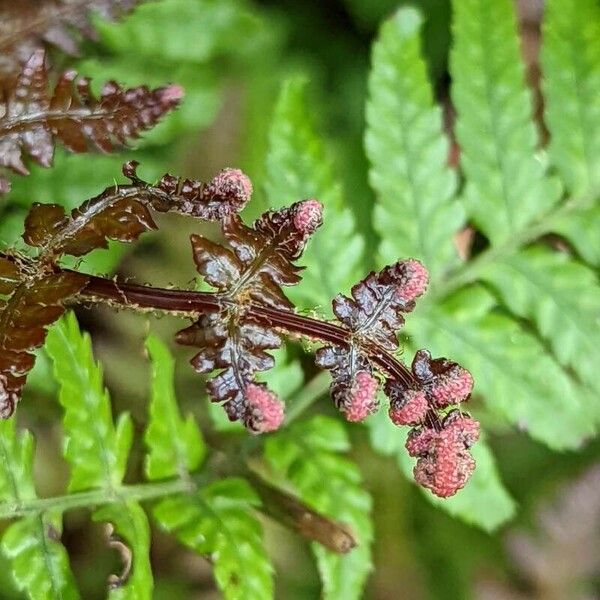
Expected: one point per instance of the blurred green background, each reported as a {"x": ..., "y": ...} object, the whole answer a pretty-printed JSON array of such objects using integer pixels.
[{"x": 232, "y": 57}]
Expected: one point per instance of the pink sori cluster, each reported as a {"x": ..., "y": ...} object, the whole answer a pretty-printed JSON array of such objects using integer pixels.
[
  {"x": 439, "y": 383},
  {"x": 414, "y": 280},
  {"x": 308, "y": 216},
  {"x": 362, "y": 397},
  {"x": 230, "y": 188},
  {"x": 264, "y": 411},
  {"x": 441, "y": 443},
  {"x": 444, "y": 462}
]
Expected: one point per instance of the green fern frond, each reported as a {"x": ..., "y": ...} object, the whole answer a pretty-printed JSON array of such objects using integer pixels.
[
  {"x": 506, "y": 188},
  {"x": 416, "y": 214},
  {"x": 307, "y": 454},
  {"x": 561, "y": 297},
  {"x": 298, "y": 167},
  {"x": 96, "y": 450},
  {"x": 217, "y": 522},
  {"x": 570, "y": 60},
  {"x": 39, "y": 562},
  {"x": 175, "y": 446}
]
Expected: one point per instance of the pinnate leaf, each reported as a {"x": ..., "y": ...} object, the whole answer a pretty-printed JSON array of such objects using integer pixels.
[
  {"x": 239, "y": 355},
  {"x": 506, "y": 187},
  {"x": 32, "y": 119},
  {"x": 94, "y": 447},
  {"x": 217, "y": 522},
  {"x": 374, "y": 315},
  {"x": 307, "y": 455},
  {"x": 259, "y": 262},
  {"x": 415, "y": 214},
  {"x": 122, "y": 212},
  {"x": 175, "y": 446},
  {"x": 39, "y": 562}
]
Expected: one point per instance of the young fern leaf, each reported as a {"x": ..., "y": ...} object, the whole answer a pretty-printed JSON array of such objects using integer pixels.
[
  {"x": 307, "y": 454},
  {"x": 298, "y": 167},
  {"x": 506, "y": 188},
  {"x": 97, "y": 451},
  {"x": 26, "y": 24},
  {"x": 122, "y": 212},
  {"x": 373, "y": 315},
  {"x": 416, "y": 214},
  {"x": 217, "y": 522},
  {"x": 32, "y": 120},
  {"x": 34, "y": 304},
  {"x": 259, "y": 263},
  {"x": 39, "y": 562}
]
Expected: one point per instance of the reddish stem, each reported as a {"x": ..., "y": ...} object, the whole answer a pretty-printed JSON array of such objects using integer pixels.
[{"x": 193, "y": 303}]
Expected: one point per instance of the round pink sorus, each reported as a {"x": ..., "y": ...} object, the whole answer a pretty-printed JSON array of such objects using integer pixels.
[
  {"x": 464, "y": 429},
  {"x": 264, "y": 411},
  {"x": 362, "y": 399},
  {"x": 414, "y": 281},
  {"x": 410, "y": 409},
  {"x": 446, "y": 469},
  {"x": 229, "y": 185},
  {"x": 308, "y": 216},
  {"x": 451, "y": 387},
  {"x": 419, "y": 441}
]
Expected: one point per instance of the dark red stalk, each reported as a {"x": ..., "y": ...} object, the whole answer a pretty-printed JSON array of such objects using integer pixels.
[{"x": 100, "y": 289}]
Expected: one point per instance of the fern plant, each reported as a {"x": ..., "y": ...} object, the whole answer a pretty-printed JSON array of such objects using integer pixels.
[{"x": 520, "y": 309}]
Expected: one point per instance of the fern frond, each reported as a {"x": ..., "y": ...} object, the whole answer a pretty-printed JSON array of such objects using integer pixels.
[
  {"x": 506, "y": 187},
  {"x": 32, "y": 119},
  {"x": 521, "y": 383},
  {"x": 297, "y": 167},
  {"x": 416, "y": 214},
  {"x": 570, "y": 59},
  {"x": 307, "y": 455},
  {"x": 28, "y": 23},
  {"x": 561, "y": 297},
  {"x": 217, "y": 522},
  {"x": 130, "y": 535},
  {"x": 483, "y": 502},
  {"x": 175, "y": 446},
  {"x": 95, "y": 448},
  {"x": 39, "y": 562}
]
